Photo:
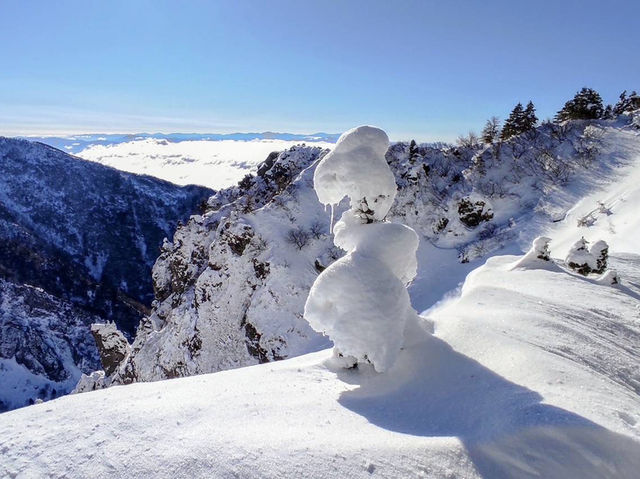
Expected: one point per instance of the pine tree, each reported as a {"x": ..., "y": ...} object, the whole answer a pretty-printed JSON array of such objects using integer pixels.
[
  {"x": 513, "y": 124},
  {"x": 530, "y": 120},
  {"x": 627, "y": 104},
  {"x": 585, "y": 105},
  {"x": 491, "y": 130}
]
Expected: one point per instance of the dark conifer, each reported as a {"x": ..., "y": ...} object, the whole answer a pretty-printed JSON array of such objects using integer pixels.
[{"x": 585, "y": 105}]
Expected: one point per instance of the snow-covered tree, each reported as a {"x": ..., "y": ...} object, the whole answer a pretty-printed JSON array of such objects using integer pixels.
[
  {"x": 627, "y": 104},
  {"x": 361, "y": 301},
  {"x": 538, "y": 255},
  {"x": 580, "y": 259},
  {"x": 512, "y": 124},
  {"x": 585, "y": 105},
  {"x": 600, "y": 251}
]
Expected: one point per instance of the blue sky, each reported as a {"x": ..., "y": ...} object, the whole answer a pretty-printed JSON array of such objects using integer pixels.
[{"x": 420, "y": 69}]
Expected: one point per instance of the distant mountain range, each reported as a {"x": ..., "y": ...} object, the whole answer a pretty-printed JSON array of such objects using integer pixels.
[{"x": 77, "y": 143}]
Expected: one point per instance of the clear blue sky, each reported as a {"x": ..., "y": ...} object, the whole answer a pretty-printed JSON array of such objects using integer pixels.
[{"x": 424, "y": 69}]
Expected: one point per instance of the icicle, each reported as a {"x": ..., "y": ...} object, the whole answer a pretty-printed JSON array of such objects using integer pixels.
[{"x": 331, "y": 221}]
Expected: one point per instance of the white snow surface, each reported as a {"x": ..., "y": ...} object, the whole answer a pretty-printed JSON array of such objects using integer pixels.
[
  {"x": 215, "y": 164},
  {"x": 531, "y": 373}
]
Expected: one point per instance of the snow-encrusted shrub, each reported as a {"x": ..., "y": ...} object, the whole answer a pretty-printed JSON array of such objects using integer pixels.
[
  {"x": 537, "y": 256},
  {"x": 600, "y": 251},
  {"x": 580, "y": 259},
  {"x": 472, "y": 214},
  {"x": 360, "y": 301}
]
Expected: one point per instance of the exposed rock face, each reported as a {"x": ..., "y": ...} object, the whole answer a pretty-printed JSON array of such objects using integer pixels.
[
  {"x": 77, "y": 243},
  {"x": 45, "y": 345},
  {"x": 220, "y": 281},
  {"x": 112, "y": 346}
]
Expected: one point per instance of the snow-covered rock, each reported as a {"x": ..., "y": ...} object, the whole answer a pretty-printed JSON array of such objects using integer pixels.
[{"x": 45, "y": 345}]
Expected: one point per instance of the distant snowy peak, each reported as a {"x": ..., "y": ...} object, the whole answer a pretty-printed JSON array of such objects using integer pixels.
[
  {"x": 213, "y": 163},
  {"x": 77, "y": 143}
]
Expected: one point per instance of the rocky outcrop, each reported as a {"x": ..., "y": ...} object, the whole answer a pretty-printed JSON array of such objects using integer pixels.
[
  {"x": 112, "y": 346},
  {"x": 45, "y": 345}
]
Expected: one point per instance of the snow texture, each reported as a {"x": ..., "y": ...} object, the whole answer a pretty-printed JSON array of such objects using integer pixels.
[{"x": 360, "y": 301}]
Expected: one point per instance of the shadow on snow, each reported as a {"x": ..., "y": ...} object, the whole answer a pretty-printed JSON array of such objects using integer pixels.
[{"x": 435, "y": 391}]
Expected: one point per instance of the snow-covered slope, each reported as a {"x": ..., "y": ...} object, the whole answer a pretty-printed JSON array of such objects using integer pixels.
[
  {"x": 231, "y": 286},
  {"x": 215, "y": 164},
  {"x": 531, "y": 373}
]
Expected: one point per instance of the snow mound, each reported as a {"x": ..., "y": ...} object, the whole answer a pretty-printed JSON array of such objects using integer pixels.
[{"x": 538, "y": 256}]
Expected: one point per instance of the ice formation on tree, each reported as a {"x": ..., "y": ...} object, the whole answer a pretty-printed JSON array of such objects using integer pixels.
[
  {"x": 360, "y": 301},
  {"x": 537, "y": 255},
  {"x": 600, "y": 251},
  {"x": 580, "y": 259}
]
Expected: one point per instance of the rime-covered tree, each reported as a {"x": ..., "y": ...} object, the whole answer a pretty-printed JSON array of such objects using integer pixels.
[
  {"x": 585, "y": 105},
  {"x": 360, "y": 301},
  {"x": 491, "y": 130},
  {"x": 470, "y": 140}
]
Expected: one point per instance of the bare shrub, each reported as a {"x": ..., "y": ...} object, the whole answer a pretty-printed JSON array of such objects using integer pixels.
[{"x": 298, "y": 237}]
